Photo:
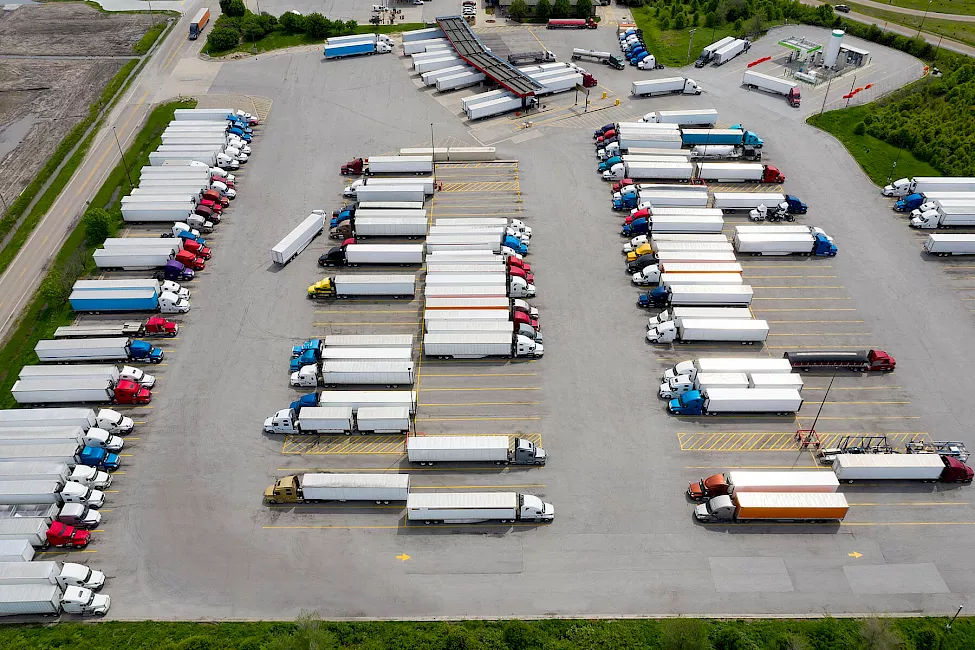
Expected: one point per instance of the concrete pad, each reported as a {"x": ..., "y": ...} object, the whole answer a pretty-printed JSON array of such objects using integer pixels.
[
  {"x": 896, "y": 579},
  {"x": 750, "y": 574}
]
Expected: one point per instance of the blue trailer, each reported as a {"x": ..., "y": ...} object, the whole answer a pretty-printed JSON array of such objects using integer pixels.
[
  {"x": 118, "y": 300},
  {"x": 733, "y": 136},
  {"x": 350, "y": 49}
]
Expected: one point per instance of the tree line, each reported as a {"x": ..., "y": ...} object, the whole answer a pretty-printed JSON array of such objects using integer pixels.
[{"x": 238, "y": 25}]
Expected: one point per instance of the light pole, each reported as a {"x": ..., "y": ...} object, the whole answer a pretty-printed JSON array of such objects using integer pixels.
[
  {"x": 690, "y": 41},
  {"x": 122, "y": 156},
  {"x": 433, "y": 156},
  {"x": 852, "y": 86},
  {"x": 937, "y": 48},
  {"x": 926, "y": 10},
  {"x": 828, "y": 84},
  {"x": 948, "y": 626}
]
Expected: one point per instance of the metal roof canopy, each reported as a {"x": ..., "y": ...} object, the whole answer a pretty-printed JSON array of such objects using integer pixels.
[
  {"x": 799, "y": 44},
  {"x": 471, "y": 50}
]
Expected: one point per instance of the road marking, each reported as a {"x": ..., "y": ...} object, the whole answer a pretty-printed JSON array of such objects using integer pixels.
[
  {"x": 405, "y": 526},
  {"x": 484, "y": 374},
  {"x": 482, "y": 404},
  {"x": 855, "y": 555},
  {"x": 403, "y": 557},
  {"x": 477, "y": 389},
  {"x": 478, "y": 419},
  {"x": 774, "y": 440}
]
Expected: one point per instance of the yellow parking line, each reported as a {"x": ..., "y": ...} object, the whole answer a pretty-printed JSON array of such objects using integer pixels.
[
  {"x": 805, "y": 298},
  {"x": 823, "y": 334},
  {"x": 482, "y": 404},
  {"x": 478, "y": 419}
]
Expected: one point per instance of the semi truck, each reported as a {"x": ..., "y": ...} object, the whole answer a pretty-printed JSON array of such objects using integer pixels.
[
  {"x": 571, "y": 23},
  {"x": 734, "y": 201},
  {"x": 703, "y": 117},
  {"x": 676, "y": 386},
  {"x": 687, "y": 330},
  {"x": 356, "y": 254},
  {"x": 68, "y": 391},
  {"x": 392, "y": 192},
  {"x": 354, "y": 372},
  {"x": 42, "y": 533},
  {"x": 818, "y": 245},
  {"x": 313, "y": 420},
  {"x": 11, "y": 470},
  {"x": 692, "y": 367},
  {"x": 352, "y": 189},
  {"x": 700, "y": 295},
  {"x": 776, "y": 85},
  {"x": 944, "y": 216},
  {"x": 735, "y": 136},
  {"x": 724, "y": 152},
  {"x": 649, "y": 199},
  {"x": 900, "y": 467},
  {"x": 719, "y": 401},
  {"x": 727, "y": 172},
  {"x": 62, "y": 574},
  {"x": 499, "y": 325},
  {"x": 647, "y": 169},
  {"x": 388, "y": 165},
  {"x": 400, "y": 285},
  {"x": 153, "y": 326},
  {"x": 152, "y": 284},
  {"x": 854, "y": 360},
  {"x": 922, "y": 184},
  {"x": 736, "y": 482},
  {"x": 106, "y": 349},
  {"x": 101, "y": 371},
  {"x": 730, "y": 51},
  {"x": 673, "y": 224},
  {"x": 155, "y": 212},
  {"x": 298, "y": 239},
  {"x": 793, "y": 507},
  {"x": 359, "y": 48},
  {"x": 427, "y": 450},
  {"x": 316, "y": 488},
  {"x": 51, "y": 600},
  {"x": 665, "y": 86},
  {"x": 914, "y": 201},
  {"x": 651, "y": 274},
  {"x": 477, "y": 345},
  {"x": 707, "y": 54},
  {"x": 672, "y": 313},
  {"x": 49, "y": 491},
  {"x": 477, "y": 507},
  {"x": 133, "y": 259},
  {"x": 355, "y": 399},
  {"x": 945, "y": 245},
  {"x": 106, "y": 419},
  {"x": 380, "y": 226}
]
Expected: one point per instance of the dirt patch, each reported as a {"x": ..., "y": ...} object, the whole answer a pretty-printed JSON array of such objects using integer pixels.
[
  {"x": 70, "y": 29},
  {"x": 55, "y": 95}
]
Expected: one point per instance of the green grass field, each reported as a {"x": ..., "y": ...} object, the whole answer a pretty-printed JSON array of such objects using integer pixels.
[
  {"x": 966, "y": 7},
  {"x": 670, "y": 46},
  {"x": 955, "y": 30},
  {"x": 876, "y": 157}
]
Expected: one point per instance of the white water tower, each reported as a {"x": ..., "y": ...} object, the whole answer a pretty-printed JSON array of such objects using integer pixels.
[{"x": 833, "y": 48}]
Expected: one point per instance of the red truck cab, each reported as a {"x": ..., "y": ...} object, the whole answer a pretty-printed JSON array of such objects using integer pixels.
[
  {"x": 521, "y": 318},
  {"x": 217, "y": 197},
  {"x": 64, "y": 535},
  {"x": 715, "y": 485},
  {"x": 772, "y": 175},
  {"x": 158, "y": 326},
  {"x": 588, "y": 81},
  {"x": 213, "y": 205},
  {"x": 606, "y": 136},
  {"x": 517, "y": 272},
  {"x": 956, "y": 471},
  {"x": 207, "y": 213},
  {"x": 619, "y": 185},
  {"x": 187, "y": 258},
  {"x": 129, "y": 392},
  {"x": 514, "y": 262},
  {"x": 794, "y": 98},
  {"x": 354, "y": 166},
  {"x": 197, "y": 248},
  {"x": 216, "y": 178}
]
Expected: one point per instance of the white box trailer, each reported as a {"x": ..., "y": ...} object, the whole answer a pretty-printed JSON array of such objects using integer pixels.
[
  {"x": 419, "y": 57},
  {"x": 477, "y": 345},
  {"x": 387, "y": 373},
  {"x": 422, "y": 34},
  {"x": 470, "y": 314},
  {"x": 469, "y": 267},
  {"x": 944, "y": 245},
  {"x": 111, "y": 421},
  {"x": 473, "y": 256},
  {"x": 431, "y": 78},
  {"x": 899, "y": 467},
  {"x": 818, "y": 481},
  {"x": 367, "y": 354},
  {"x": 155, "y": 212},
  {"x": 362, "y": 213},
  {"x": 682, "y": 212},
  {"x": 725, "y": 295},
  {"x": 383, "y": 419},
  {"x": 665, "y": 86},
  {"x": 16, "y": 550},
  {"x": 458, "y": 449},
  {"x": 144, "y": 243},
  {"x": 729, "y": 364},
  {"x": 460, "y": 80},
  {"x": 702, "y": 117},
  {"x": 685, "y": 224},
  {"x": 776, "y": 380},
  {"x": 437, "y": 63},
  {"x": 473, "y": 241},
  {"x": 748, "y": 400},
  {"x": 355, "y": 399},
  {"x": 730, "y": 172},
  {"x": 210, "y": 114},
  {"x": 773, "y": 244},
  {"x": 412, "y": 227},
  {"x": 730, "y": 51},
  {"x": 389, "y": 205},
  {"x": 768, "y": 83},
  {"x": 414, "y": 47},
  {"x": 391, "y": 284},
  {"x": 674, "y": 313},
  {"x": 326, "y": 419},
  {"x": 476, "y": 507},
  {"x": 157, "y": 158},
  {"x": 402, "y": 254},
  {"x": 663, "y": 245},
  {"x": 709, "y": 329},
  {"x": 694, "y": 257},
  {"x": 472, "y": 279},
  {"x": 392, "y": 192},
  {"x": 386, "y": 181},
  {"x": 54, "y": 573},
  {"x": 31, "y": 529},
  {"x": 453, "y": 154},
  {"x": 367, "y": 340},
  {"x": 479, "y": 98},
  {"x": 495, "y": 107},
  {"x": 665, "y": 170},
  {"x": 355, "y": 487},
  {"x": 61, "y": 350},
  {"x": 732, "y": 201},
  {"x": 298, "y": 239},
  {"x": 559, "y": 84},
  {"x": 12, "y": 470},
  {"x": 674, "y": 198},
  {"x": 399, "y": 165},
  {"x": 456, "y": 291}
]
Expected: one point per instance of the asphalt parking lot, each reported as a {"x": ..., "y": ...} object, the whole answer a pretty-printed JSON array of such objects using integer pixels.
[{"x": 188, "y": 537}]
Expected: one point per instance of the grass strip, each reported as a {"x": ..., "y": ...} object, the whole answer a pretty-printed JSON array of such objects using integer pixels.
[
  {"x": 963, "y": 32},
  {"x": 49, "y": 309}
]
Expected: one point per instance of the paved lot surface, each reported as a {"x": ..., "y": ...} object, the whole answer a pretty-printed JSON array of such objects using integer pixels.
[{"x": 188, "y": 537}]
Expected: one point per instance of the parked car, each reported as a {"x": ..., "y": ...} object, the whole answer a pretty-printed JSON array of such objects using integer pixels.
[{"x": 844, "y": 8}]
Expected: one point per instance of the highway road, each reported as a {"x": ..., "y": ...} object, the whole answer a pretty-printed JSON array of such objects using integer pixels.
[{"x": 155, "y": 82}]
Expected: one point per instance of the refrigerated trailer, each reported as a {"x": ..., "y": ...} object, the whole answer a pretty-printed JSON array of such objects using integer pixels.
[
  {"x": 298, "y": 239},
  {"x": 944, "y": 245},
  {"x": 427, "y": 450},
  {"x": 476, "y": 507}
]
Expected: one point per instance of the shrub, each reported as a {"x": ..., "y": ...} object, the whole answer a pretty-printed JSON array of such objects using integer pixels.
[
  {"x": 98, "y": 226},
  {"x": 222, "y": 38},
  {"x": 233, "y": 8},
  {"x": 561, "y": 9},
  {"x": 583, "y": 8},
  {"x": 543, "y": 10},
  {"x": 317, "y": 25},
  {"x": 292, "y": 23},
  {"x": 860, "y": 128},
  {"x": 518, "y": 10}
]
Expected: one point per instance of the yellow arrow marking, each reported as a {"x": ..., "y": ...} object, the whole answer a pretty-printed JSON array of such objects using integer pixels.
[
  {"x": 403, "y": 558},
  {"x": 856, "y": 555}
]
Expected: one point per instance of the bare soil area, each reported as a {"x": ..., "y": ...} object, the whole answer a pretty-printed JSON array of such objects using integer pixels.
[
  {"x": 41, "y": 98},
  {"x": 70, "y": 29}
]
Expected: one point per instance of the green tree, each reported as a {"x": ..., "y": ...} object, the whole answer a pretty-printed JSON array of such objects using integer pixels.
[
  {"x": 583, "y": 8},
  {"x": 268, "y": 22},
  {"x": 561, "y": 9},
  {"x": 860, "y": 128},
  {"x": 879, "y": 634},
  {"x": 351, "y": 26},
  {"x": 222, "y": 38},
  {"x": 680, "y": 21},
  {"x": 316, "y": 25},
  {"x": 711, "y": 19},
  {"x": 233, "y": 8},
  {"x": 98, "y": 226},
  {"x": 685, "y": 634},
  {"x": 252, "y": 28},
  {"x": 543, "y": 10},
  {"x": 519, "y": 635},
  {"x": 56, "y": 287},
  {"x": 737, "y": 26},
  {"x": 518, "y": 10},
  {"x": 292, "y": 23}
]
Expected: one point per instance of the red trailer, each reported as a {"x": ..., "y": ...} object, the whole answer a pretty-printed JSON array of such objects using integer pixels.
[{"x": 572, "y": 23}]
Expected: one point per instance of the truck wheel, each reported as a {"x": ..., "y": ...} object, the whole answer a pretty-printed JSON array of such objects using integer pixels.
[{"x": 272, "y": 501}]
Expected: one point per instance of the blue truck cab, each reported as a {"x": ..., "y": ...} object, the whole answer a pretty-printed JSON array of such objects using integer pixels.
[
  {"x": 909, "y": 202},
  {"x": 515, "y": 244},
  {"x": 654, "y": 298},
  {"x": 243, "y": 135},
  {"x": 184, "y": 235},
  {"x": 310, "y": 344},
  {"x": 311, "y": 399},
  {"x": 609, "y": 162},
  {"x": 794, "y": 205},
  {"x": 342, "y": 215},
  {"x": 823, "y": 247},
  {"x": 143, "y": 351},
  {"x": 636, "y": 227},
  {"x": 306, "y": 358},
  {"x": 626, "y": 202},
  {"x": 239, "y": 122},
  {"x": 637, "y": 55},
  {"x": 750, "y": 138},
  {"x": 177, "y": 271},
  {"x": 99, "y": 458},
  {"x": 690, "y": 403}
]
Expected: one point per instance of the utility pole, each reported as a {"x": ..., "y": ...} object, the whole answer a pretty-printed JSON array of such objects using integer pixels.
[
  {"x": 828, "y": 83},
  {"x": 122, "y": 156},
  {"x": 926, "y": 10},
  {"x": 689, "y": 42},
  {"x": 433, "y": 156}
]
